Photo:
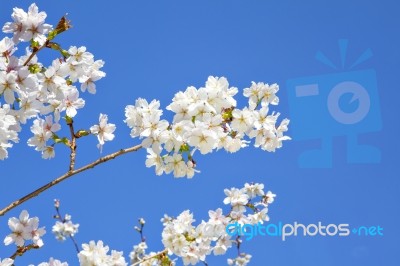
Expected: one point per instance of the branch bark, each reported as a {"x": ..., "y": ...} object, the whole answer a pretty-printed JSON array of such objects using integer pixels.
[
  {"x": 67, "y": 175},
  {"x": 72, "y": 145},
  {"x": 21, "y": 250}
]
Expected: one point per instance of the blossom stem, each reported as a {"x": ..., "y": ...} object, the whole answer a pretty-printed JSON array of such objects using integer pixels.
[
  {"x": 75, "y": 244},
  {"x": 238, "y": 242},
  {"x": 142, "y": 238},
  {"x": 35, "y": 51},
  {"x": 65, "y": 176},
  {"x": 63, "y": 221},
  {"x": 150, "y": 257}
]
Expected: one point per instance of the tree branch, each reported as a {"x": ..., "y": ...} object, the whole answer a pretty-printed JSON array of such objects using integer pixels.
[
  {"x": 21, "y": 250},
  {"x": 72, "y": 145},
  {"x": 65, "y": 176}
]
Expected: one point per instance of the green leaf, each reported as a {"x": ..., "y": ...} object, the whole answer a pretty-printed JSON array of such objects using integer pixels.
[
  {"x": 227, "y": 115},
  {"x": 68, "y": 120},
  {"x": 64, "y": 53},
  {"x": 82, "y": 133},
  {"x": 52, "y": 35},
  {"x": 35, "y": 68},
  {"x": 184, "y": 148},
  {"x": 54, "y": 46},
  {"x": 34, "y": 44},
  {"x": 63, "y": 140},
  {"x": 165, "y": 261}
]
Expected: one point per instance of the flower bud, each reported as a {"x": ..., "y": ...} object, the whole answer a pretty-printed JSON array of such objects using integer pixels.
[{"x": 63, "y": 25}]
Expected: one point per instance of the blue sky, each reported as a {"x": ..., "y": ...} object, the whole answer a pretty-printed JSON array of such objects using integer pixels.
[{"x": 152, "y": 49}]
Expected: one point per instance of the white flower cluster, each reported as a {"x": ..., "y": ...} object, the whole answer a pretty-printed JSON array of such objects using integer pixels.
[
  {"x": 53, "y": 262},
  {"x": 28, "y": 25},
  {"x": 138, "y": 252},
  {"x": 6, "y": 262},
  {"x": 8, "y": 130},
  {"x": 241, "y": 260},
  {"x": 28, "y": 89},
  {"x": 205, "y": 119},
  {"x": 138, "y": 255},
  {"x": 194, "y": 243},
  {"x": 43, "y": 130},
  {"x": 65, "y": 228},
  {"x": 96, "y": 254},
  {"x": 24, "y": 229}
]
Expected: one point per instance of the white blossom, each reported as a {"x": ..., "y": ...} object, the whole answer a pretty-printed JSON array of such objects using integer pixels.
[
  {"x": 96, "y": 254},
  {"x": 205, "y": 119},
  {"x": 103, "y": 130},
  {"x": 53, "y": 262},
  {"x": 194, "y": 243},
  {"x": 65, "y": 229},
  {"x": 24, "y": 229}
]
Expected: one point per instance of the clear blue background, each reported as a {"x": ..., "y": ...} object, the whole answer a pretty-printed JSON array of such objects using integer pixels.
[{"x": 153, "y": 49}]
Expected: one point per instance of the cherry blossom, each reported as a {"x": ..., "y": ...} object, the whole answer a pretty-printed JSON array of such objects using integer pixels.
[
  {"x": 96, "y": 254},
  {"x": 30, "y": 90},
  {"x": 205, "y": 119},
  {"x": 24, "y": 229},
  {"x": 64, "y": 229},
  {"x": 103, "y": 130},
  {"x": 53, "y": 262}
]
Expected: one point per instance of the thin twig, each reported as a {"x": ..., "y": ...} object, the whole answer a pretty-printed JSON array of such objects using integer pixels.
[
  {"x": 63, "y": 221},
  {"x": 66, "y": 176},
  {"x": 75, "y": 244},
  {"x": 35, "y": 51},
  {"x": 72, "y": 145},
  {"x": 142, "y": 238},
  {"x": 150, "y": 257},
  {"x": 238, "y": 243}
]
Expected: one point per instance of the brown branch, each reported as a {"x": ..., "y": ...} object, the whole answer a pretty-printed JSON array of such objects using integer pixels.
[
  {"x": 72, "y": 145},
  {"x": 65, "y": 176},
  {"x": 35, "y": 51},
  {"x": 150, "y": 257},
  {"x": 21, "y": 250}
]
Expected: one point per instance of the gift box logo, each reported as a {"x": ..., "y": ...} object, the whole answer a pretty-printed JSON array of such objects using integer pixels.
[{"x": 344, "y": 103}]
